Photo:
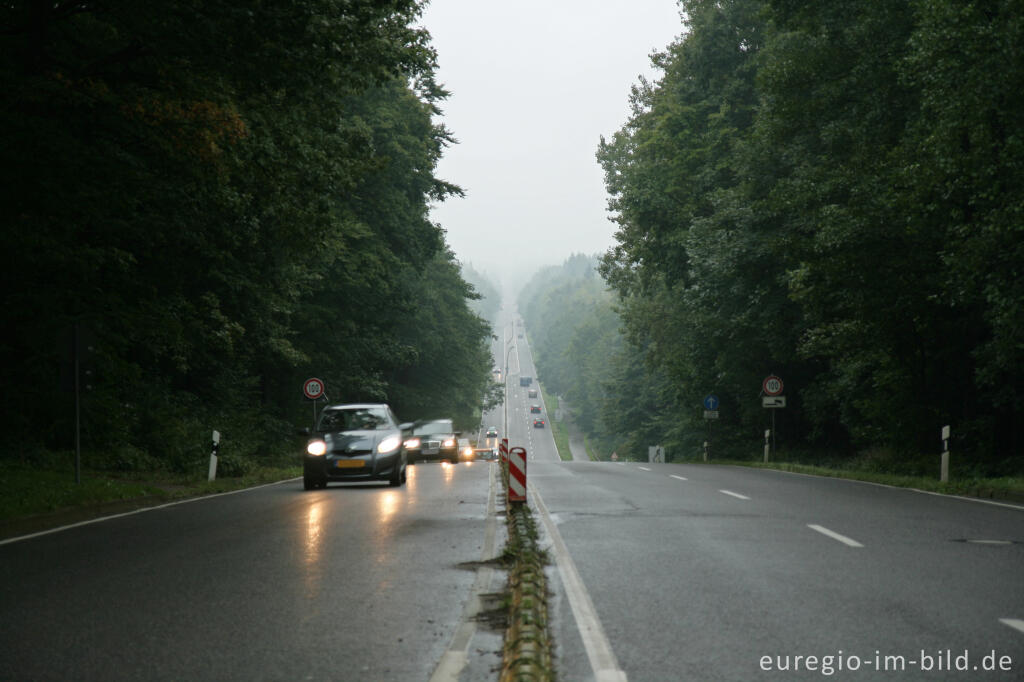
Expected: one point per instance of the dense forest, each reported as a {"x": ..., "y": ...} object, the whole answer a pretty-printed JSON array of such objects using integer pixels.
[
  {"x": 218, "y": 201},
  {"x": 831, "y": 192}
]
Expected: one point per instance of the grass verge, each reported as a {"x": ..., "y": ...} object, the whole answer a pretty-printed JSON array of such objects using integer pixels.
[{"x": 33, "y": 499}]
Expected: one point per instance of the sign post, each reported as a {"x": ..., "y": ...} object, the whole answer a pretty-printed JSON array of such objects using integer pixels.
[
  {"x": 313, "y": 389},
  {"x": 773, "y": 398},
  {"x": 944, "y": 469},
  {"x": 213, "y": 456},
  {"x": 710, "y": 413}
]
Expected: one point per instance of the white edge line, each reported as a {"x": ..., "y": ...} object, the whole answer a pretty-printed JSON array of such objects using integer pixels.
[
  {"x": 678, "y": 477},
  {"x": 599, "y": 650},
  {"x": 893, "y": 487},
  {"x": 834, "y": 535},
  {"x": 737, "y": 495},
  {"x": 643, "y": 468},
  {"x": 140, "y": 510},
  {"x": 1014, "y": 623}
]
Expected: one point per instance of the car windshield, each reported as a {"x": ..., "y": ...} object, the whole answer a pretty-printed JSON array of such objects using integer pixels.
[
  {"x": 354, "y": 419},
  {"x": 442, "y": 426}
]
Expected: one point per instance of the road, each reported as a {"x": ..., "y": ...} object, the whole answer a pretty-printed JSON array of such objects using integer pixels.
[{"x": 658, "y": 572}]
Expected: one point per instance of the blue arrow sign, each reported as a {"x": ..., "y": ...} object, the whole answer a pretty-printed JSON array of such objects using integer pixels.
[{"x": 711, "y": 402}]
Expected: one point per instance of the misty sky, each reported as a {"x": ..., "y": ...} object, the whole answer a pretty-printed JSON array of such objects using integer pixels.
[{"x": 534, "y": 85}]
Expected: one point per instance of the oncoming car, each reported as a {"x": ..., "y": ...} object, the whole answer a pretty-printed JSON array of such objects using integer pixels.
[
  {"x": 435, "y": 439},
  {"x": 492, "y": 432},
  {"x": 361, "y": 442},
  {"x": 466, "y": 451}
]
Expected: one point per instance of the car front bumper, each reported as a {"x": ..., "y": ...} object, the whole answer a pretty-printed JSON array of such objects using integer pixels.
[{"x": 367, "y": 467}]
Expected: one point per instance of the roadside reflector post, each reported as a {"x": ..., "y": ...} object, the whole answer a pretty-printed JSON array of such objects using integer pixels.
[
  {"x": 517, "y": 475},
  {"x": 944, "y": 470},
  {"x": 213, "y": 456},
  {"x": 767, "y": 443},
  {"x": 705, "y": 451}
]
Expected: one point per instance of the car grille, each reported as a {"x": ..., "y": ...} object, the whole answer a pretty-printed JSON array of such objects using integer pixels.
[{"x": 341, "y": 452}]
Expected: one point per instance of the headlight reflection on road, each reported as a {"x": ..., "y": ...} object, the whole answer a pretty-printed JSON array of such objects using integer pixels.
[
  {"x": 387, "y": 505},
  {"x": 314, "y": 534},
  {"x": 313, "y": 550},
  {"x": 449, "y": 471}
]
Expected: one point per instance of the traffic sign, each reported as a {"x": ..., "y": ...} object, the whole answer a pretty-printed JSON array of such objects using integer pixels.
[
  {"x": 711, "y": 402},
  {"x": 711, "y": 414},
  {"x": 313, "y": 389},
  {"x": 772, "y": 385},
  {"x": 773, "y": 401}
]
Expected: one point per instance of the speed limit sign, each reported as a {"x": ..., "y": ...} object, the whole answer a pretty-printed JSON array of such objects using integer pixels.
[
  {"x": 313, "y": 389},
  {"x": 772, "y": 385}
]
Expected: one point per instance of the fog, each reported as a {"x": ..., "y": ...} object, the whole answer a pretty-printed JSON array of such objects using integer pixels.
[{"x": 534, "y": 86}]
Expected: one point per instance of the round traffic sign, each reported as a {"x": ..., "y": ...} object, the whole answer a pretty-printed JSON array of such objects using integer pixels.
[
  {"x": 772, "y": 385},
  {"x": 711, "y": 402},
  {"x": 313, "y": 388}
]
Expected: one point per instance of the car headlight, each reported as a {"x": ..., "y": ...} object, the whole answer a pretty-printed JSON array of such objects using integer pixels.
[
  {"x": 449, "y": 443},
  {"x": 388, "y": 444},
  {"x": 412, "y": 443},
  {"x": 316, "y": 447}
]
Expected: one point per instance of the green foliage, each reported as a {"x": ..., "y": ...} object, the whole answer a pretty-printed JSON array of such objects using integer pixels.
[
  {"x": 225, "y": 199},
  {"x": 830, "y": 192}
]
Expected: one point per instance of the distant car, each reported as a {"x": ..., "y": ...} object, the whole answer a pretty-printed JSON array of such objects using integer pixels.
[
  {"x": 487, "y": 454},
  {"x": 532, "y": 393},
  {"x": 433, "y": 440},
  {"x": 466, "y": 452},
  {"x": 538, "y": 423},
  {"x": 492, "y": 432},
  {"x": 535, "y": 409},
  {"x": 354, "y": 443}
]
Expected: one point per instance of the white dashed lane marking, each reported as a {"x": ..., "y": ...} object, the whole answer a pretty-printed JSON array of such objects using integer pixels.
[
  {"x": 736, "y": 495},
  {"x": 834, "y": 535}
]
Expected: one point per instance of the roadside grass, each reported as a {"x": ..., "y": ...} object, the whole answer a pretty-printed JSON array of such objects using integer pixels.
[
  {"x": 1008, "y": 488},
  {"x": 558, "y": 429},
  {"x": 32, "y": 491}
]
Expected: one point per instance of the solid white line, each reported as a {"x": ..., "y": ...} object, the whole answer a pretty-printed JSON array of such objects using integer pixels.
[
  {"x": 139, "y": 511},
  {"x": 599, "y": 649},
  {"x": 643, "y": 468},
  {"x": 896, "y": 487},
  {"x": 834, "y": 535},
  {"x": 679, "y": 477},
  {"x": 1013, "y": 623},
  {"x": 729, "y": 492}
]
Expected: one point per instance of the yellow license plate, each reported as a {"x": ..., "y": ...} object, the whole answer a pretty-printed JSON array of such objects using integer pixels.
[{"x": 349, "y": 463}]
